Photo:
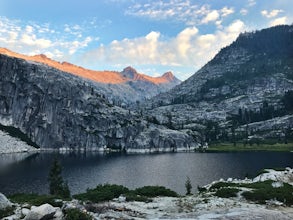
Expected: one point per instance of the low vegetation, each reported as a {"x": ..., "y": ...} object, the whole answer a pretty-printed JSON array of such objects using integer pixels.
[
  {"x": 76, "y": 214},
  {"x": 35, "y": 199},
  {"x": 227, "y": 147},
  {"x": 258, "y": 192},
  {"x": 227, "y": 192},
  {"x": 263, "y": 191},
  {"x": 108, "y": 192}
]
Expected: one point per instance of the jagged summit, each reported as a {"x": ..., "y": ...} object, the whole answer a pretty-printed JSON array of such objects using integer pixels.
[
  {"x": 168, "y": 75},
  {"x": 129, "y": 72}
]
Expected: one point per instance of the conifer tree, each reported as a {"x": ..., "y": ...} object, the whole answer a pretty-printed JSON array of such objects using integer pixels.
[{"x": 57, "y": 186}]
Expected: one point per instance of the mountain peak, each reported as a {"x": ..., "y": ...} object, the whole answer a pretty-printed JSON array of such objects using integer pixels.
[
  {"x": 169, "y": 76},
  {"x": 129, "y": 72}
]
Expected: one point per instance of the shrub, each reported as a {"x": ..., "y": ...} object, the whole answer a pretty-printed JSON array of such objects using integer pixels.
[
  {"x": 188, "y": 186},
  {"x": 35, "y": 199},
  {"x": 153, "y": 191},
  {"x": 76, "y": 214},
  {"x": 101, "y": 193},
  {"x": 219, "y": 185},
  {"x": 227, "y": 192}
]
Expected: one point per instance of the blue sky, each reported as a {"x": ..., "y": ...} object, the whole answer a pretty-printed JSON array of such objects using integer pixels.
[{"x": 152, "y": 36}]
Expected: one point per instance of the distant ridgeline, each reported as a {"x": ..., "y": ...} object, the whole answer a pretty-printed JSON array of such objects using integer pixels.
[{"x": 243, "y": 95}]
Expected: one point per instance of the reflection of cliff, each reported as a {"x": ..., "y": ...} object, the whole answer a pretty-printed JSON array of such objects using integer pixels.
[{"x": 9, "y": 159}]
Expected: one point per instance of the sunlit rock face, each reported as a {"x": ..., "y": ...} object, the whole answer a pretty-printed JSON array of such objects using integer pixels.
[
  {"x": 59, "y": 110},
  {"x": 121, "y": 88}
]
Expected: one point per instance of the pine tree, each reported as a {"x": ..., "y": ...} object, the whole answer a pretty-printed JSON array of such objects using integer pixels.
[
  {"x": 56, "y": 184},
  {"x": 188, "y": 186}
]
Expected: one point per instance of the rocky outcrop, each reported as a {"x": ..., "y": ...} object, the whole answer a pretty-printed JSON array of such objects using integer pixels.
[
  {"x": 45, "y": 211},
  {"x": 4, "y": 202},
  {"x": 59, "y": 110}
]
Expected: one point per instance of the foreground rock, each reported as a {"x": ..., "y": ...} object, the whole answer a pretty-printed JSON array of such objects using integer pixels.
[
  {"x": 4, "y": 202},
  {"x": 45, "y": 211}
]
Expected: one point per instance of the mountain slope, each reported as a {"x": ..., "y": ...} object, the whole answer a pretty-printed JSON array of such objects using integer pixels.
[
  {"x": 55, "y": 109},
  {"x": 247, "y": 79},
  {"x": 126, "y": 87}
]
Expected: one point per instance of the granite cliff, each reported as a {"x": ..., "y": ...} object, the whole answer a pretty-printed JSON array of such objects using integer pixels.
[{"x": 56, "y": 109}]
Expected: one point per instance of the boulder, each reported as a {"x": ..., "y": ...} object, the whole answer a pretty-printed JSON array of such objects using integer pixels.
[
  {"x": 43, "y": 212},
  {"x": 4, "y": 202}
]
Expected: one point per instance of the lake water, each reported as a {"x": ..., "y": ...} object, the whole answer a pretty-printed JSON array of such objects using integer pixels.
[{"x": 84, "y": 171}]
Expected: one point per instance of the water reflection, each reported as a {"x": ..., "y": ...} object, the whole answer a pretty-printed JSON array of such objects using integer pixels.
[{"x": 86, "y": 170}]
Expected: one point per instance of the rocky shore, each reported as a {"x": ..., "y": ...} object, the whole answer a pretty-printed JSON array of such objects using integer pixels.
[{"x": 207, "y": 204}]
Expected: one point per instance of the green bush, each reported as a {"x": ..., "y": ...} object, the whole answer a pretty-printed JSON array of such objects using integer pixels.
[
  {"x": 6, "y": 212},
  {"x": 265, "y": 191},
  {"x": 153, "y": 191},
  {"x": 131, "y": 196},
  {"x": 101, "y": 193},
  {"x": 76, "y": 214},
  {"x": 35, "y": 199},
  {"x": 227, "y": 192}
]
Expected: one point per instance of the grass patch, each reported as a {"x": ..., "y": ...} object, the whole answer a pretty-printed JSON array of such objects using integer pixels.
[
  {"x": 227, "y": 192},
  {"x": 229, "y": 147},
  {"x": 17, "y": 133},
  {"x": 76, "y": 214},
  {"x": 35, "y": 199},
  {"x": 6, "y": 212}
]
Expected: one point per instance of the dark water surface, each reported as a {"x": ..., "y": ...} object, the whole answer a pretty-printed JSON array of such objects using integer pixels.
[{"x": 84, "y": 171}]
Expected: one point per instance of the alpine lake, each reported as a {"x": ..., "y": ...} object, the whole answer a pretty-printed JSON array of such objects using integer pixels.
[{"x": 28, "y": 173}]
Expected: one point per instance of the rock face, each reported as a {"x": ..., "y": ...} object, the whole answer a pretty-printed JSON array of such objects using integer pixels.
[
  {"x": 4, "y": 202},
  {"x": 59, "y": 110},
  {"x": 244, "y": 80},
  {"x": 45, "y": 211}
]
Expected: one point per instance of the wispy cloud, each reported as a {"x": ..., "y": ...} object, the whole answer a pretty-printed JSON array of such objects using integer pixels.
[
  {"x": 180, "y": 11},
  {"x": 188, "y": 48}
]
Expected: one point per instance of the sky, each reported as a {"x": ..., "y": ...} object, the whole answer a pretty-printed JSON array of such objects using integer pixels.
[{"x": 152, "y": 36}]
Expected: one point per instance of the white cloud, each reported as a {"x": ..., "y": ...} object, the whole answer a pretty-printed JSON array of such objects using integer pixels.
[
  {"x": 41, "y": 38},
  {"x": 188, "y": 49},
  {"x": 243, "y": 11},
  {"x": 211, "y": 16},
  {"x": 279, "y": 21},
  {"x": 227, "y": 11},
  {"x": 271, "y": 14}
]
